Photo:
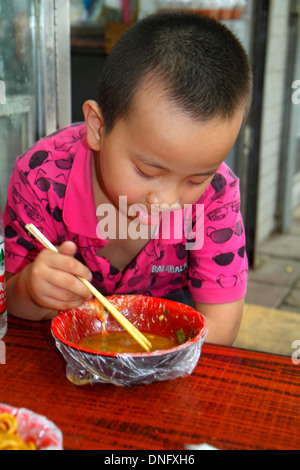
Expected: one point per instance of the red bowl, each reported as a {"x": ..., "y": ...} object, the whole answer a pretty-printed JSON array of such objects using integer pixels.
[
  {"x": 150, "y": 315},
  {"x": 36, "y": 428}
]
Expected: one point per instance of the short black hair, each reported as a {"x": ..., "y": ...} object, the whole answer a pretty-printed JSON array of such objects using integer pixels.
[{"x": 201, "y": 64}]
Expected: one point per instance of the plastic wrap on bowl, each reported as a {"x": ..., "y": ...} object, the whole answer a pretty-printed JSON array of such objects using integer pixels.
[
  {"x": 149, "y": 315},
  {"x": 36, "y": 428}
]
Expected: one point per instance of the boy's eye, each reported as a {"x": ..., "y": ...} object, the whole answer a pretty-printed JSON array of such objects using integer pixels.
[
  {"x": 200, "y": 183},
  {"x": 141, "y": 173},
  {"x": 196, "y": 183}
]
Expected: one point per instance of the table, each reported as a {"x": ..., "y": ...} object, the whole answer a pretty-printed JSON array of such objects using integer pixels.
[{"x": 235, "y": 399}]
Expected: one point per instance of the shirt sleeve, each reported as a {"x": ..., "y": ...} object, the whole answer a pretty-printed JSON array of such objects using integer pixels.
[
  {"x": 24, "y": 206},
  {"x": 218, "y": 267}
]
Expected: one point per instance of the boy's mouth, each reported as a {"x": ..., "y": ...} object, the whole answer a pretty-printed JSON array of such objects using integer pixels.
[{"x": 146, "y": 217}]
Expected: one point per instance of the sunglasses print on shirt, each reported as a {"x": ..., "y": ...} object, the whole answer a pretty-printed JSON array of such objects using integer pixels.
[
  {"x": 221, "y": 212},
  {"x": 44, "y": 183},
  {"x": 227, "y": 282},
  {"x": 225, "y": 259},
  {"x": 223, "y": 235}
]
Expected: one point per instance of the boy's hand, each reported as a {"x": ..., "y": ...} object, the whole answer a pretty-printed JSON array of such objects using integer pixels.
[{"x": 52, "y": 281}]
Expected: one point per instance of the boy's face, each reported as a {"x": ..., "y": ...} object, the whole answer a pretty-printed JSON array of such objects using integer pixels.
[{"x": 159, "y": 155}]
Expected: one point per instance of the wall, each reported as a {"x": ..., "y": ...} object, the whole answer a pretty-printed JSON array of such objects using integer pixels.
[
  {"x": 273, "y": 113},
  {"x": 146, "y": 7},
  {"x": 296, "y": 185}
]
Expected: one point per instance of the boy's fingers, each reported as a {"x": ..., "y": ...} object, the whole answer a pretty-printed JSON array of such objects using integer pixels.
[
  {"x": 67, "y": 248},
  {"x": 67, "y": 288}
]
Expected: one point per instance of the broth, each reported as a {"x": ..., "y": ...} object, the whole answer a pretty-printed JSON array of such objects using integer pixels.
[{"x": 122, "y": 342}]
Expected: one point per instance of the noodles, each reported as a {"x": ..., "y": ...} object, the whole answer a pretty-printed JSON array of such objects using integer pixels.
[
  {"x": 8, "y": 423},
  {"x": 9, "y": 439}
]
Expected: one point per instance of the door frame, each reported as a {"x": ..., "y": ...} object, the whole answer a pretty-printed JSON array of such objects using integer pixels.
[
  {"x": 53, "y": 65},
  {"x": 252, "y": 145},
  {"x": 290, "y": 130}
]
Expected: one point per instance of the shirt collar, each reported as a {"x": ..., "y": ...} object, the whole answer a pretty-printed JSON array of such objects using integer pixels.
[{"x": 79, "y": 210}]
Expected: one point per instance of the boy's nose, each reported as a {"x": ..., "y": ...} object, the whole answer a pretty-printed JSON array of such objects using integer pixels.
[
  {"x": 166, "y": 199},
  {"x": 152, "y": 199}
]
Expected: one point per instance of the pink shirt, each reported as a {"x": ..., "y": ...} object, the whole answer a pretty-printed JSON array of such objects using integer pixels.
[{"x": 51, "y": 187}]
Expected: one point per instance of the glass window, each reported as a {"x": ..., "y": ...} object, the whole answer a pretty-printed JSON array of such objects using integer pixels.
[{"x": 17, "y": 72}]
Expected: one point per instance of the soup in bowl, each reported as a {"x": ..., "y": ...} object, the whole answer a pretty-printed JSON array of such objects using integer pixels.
[{"x": 98, "y": 350}]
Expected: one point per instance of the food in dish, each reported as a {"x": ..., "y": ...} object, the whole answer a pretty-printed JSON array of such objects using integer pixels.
[
  {"x": 9, "y": 439},
  {"x": 178, "y": 322},
  {"x": 121, "y": 342}
]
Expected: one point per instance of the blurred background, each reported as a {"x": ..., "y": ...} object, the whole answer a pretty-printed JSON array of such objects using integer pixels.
[{"x": 52, "y": 53}]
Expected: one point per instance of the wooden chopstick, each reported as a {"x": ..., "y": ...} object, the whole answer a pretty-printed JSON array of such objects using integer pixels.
[{"x": 132, "y": 330}]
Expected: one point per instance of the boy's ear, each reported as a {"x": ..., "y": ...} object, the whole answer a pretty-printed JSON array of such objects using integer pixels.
[{"x": 94, "y": 124}]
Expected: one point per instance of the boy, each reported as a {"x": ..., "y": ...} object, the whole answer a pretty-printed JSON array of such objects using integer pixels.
[{"x": 172, "y": 98}]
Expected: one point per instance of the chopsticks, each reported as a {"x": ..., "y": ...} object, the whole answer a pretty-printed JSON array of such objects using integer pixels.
[{"x": 132, "y": 330}]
